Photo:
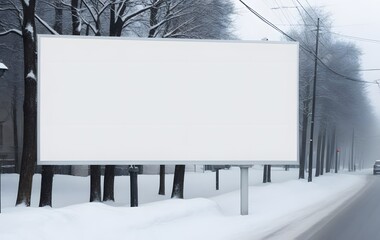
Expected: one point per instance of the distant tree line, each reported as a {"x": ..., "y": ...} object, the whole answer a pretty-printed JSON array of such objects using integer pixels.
[{"x": 342, "y": 105}]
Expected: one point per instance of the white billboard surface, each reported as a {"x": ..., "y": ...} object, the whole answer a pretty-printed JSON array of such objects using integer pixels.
[{"x": 139, "y": 101}]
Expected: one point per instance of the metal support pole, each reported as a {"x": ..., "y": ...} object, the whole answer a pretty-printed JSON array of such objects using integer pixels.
[
  {"x": 217, "y": 179},
  {"x": 133, "y": 171},
  {"x": 243, "y": 190}
]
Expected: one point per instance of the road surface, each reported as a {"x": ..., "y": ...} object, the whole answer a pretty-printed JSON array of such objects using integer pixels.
[{"x": 357, "y": 220}]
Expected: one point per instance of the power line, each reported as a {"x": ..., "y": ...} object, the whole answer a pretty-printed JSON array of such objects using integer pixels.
[
  {"x": 302, "y": 17},
  {"x": 344, "y": 76},
  {"x": 306, "y": 11},
  {"x": 267, "y": 21},
  {"x": 304, "y": 48},
  {"x": 286, "y": 14},
  {"x": 312, "y": 9},
  {"x": 305, "y": 23},
  {"x": 295, "y": 25},
  {"x": 357, "y": 38},
  {"x": 321, "y": 39}
]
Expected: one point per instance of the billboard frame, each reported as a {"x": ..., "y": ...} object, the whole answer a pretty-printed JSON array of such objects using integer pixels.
[{"x": 155, "y": 162}]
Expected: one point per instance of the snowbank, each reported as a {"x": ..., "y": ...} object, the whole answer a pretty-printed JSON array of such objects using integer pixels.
[{"x": 273, "y": 206}]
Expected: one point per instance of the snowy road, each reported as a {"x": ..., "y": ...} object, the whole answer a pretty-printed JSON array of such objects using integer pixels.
[{"x": 358, "y": 219}]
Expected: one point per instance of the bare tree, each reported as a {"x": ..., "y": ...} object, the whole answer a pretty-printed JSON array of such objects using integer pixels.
[
  {"x": 29, "y": 153},
  {"x": 47, "y": 173},
  {"x": 196, "y": 19},
  {"x": 122, "y": 15}
]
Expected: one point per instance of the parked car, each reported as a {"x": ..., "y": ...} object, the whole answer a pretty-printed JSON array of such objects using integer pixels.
[{"x": 376, "y": 167}]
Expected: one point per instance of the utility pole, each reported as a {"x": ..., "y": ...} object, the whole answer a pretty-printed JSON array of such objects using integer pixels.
[{"x": 310, "y": 172}]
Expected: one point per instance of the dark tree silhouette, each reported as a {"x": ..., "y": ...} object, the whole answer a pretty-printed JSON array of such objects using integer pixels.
[{"x": 29, "y": 153}]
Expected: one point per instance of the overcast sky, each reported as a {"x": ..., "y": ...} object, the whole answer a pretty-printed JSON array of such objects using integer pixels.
[{"x": 350, "y": 17}]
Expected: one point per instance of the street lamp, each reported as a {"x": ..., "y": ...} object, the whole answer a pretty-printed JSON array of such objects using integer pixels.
[{"x": 3, "y": 68}]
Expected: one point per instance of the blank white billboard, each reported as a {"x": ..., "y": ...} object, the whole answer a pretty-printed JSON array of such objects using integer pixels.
[{"x": 142, "y": 101}]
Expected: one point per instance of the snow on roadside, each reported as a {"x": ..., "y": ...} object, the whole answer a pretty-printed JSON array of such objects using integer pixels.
[
  {"x": 272, "y": 206},
  {"x": 279, "y": 205}
]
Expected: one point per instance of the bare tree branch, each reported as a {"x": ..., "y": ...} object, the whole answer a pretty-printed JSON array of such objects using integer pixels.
[
  {"x": 15, "y": 31},
  {"x": 90, "y": 9},
  {"x": 173, "y": 32},
  {"x": 46, "y": 25}
]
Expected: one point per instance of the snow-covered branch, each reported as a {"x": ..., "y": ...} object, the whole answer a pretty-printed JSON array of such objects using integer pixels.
[
  {"x": 122, "y": 6},
  {"x": 176, "y": 29},
  {"x": 15, "y": 31},
  {"x": 169, "y": 17},
  {"x": 132, "y": 15},
  {"x": 91, "y": 11},
  {"x": 46, "y": 25},
  {"x": 87, "y": 23},
  {"x": 64, "y": 6}
]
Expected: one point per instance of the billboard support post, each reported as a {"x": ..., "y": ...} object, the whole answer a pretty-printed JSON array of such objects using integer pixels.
[
  {"x": 217, "y": 178},
  {"x": 133, "y": 171},
  {"x": 244, "y": 190}
]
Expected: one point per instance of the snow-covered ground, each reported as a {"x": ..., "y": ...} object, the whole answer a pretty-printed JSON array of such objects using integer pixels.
[{"x": 204, "y": 214}]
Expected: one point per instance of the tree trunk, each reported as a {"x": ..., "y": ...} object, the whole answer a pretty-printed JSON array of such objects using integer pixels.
[
  {"x": 15, "y": 128},
  {"x": 332, "y": 149},
  {"x": 328, "y": 143},
  {"x": 343, "y": 157},
  {"x": 115, "y": 29},
  {"x": 1, "y": 134},
  {"x": 47, "y": 173},
  {"x": 178, "y": 182},
  {"x": 29, "y": 152},
  {"x": 75, "y": 18},
  {"x": 323, "y": 152},
  {"x": 58, "y": 16},
  {"x": 109, "y": 172},
  {"x": 116, "y": 22},
  {"x": 161, "y": 190},
  {"x": 95, "y": 183},
  {"x": 352, "y": 165},
  {"x": 109, "y": 182},
  {"x": 319, "y": 151},
  {"x": 267, "y": 174},
  {"x": 112, "y": 18},
  {"x": 46, "y": 186},
  {"x": 153, "y": 20}
]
